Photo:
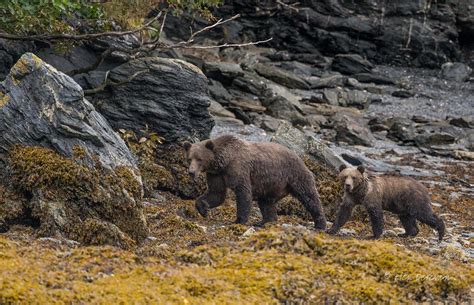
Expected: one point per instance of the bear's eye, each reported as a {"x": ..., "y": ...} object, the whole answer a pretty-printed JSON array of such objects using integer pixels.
[{"x": 198, "y": 159}]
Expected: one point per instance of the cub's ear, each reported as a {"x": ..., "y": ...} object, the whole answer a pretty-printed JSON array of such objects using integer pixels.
[
  {"x": 342, "y": 167},
  {"x": 210, "y": 145},
  {"x": 187, "y": 145},
  {"x": 361, "y": 169}
]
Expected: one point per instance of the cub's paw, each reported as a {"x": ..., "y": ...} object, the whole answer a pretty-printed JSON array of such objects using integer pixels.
[
  {"x": 331, "y": 231},
  {"x": 320, "y": 224},
  {"x": 202, "y": 207}
]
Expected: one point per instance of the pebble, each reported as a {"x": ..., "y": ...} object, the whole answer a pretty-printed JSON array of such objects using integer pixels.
[
  {"x": 347, "y": 232},
  {"x": 249, "y": 232}
]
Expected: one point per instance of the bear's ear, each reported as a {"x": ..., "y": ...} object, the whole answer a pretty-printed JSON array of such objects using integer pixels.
[
  {"x": 187, "y": 145},
  {"x": 210, "y": 145},
  {"x": 361, "y": 169},
  {"x": 342, "y": 167}
]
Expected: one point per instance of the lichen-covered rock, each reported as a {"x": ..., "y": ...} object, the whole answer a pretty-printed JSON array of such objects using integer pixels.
[
  {"x": 41, "y": 106},
  {"x": 67, "y": 172},
  {"x": 170, "y": 98}
]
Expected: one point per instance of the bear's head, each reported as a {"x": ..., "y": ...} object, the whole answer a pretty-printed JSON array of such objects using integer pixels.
[
  {"x": 351, "y": 177},
  {"x": 200, "y": 156}
]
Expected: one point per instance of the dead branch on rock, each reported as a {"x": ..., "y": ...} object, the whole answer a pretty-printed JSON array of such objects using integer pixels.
[
  {"x": 293, "y": 6},
  {"x": 107, "y": 82},
  {"x": 145, "y": 47}
]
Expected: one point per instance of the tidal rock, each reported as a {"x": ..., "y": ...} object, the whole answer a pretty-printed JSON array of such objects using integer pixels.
[
  {"x": 351, "y": 64},
  {"x": 303, "y": 143},
  {"x": 225, "y": 72},
  {"x": 455, "y": 71},
  {"x": 343, "y": 97},
  {"x": 463, "y": 122},
  {"x": 74, "y": 176},
  {"x": 281, "y": 108},
  {"x": 219, "y": 92},
  {"x": 218, "y": 110},
  {"x": 327, "y": 82},
  {"x": 170, "y": 97},
  {"x": 41, "y": 106},
  {"x": 373, "y": 78},
  {"x": 434, "y": 138},
  {"x": 402, "y": 93},
  {"x": 352, "y": 131},
  {"x": 402, "y": 129},
  {"x": 281, "y": 77}
]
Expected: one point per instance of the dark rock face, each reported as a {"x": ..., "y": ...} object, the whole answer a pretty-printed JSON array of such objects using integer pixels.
[
  {"x": 351, "y": 64},
  {"x": 400, "y": 32},
  {"x": 171, "y": 99},
  {"x": 41, "y": 106},
  {"x": 10, "y": 52}
]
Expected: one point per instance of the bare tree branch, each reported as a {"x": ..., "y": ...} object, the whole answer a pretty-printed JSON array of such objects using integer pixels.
[
  {"x": 106, "y": 83},
  {"x": 224, "y": 45},
  {"x": 145, "y": 48}
]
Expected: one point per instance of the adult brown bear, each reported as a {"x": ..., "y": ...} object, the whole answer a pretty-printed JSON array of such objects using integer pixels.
[
  {"x": 403, "y": 196},
  {"x": 265, "y": 172}
]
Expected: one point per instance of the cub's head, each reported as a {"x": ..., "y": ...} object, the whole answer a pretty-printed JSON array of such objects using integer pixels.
[
  {"x": 351, "y": 177},
  {"x": 200, "y": 156}
]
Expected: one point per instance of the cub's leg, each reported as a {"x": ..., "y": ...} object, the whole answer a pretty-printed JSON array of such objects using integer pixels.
[
  {"x": 433, "y": 221},
  {"x": 343, "y": 215},
  {"x": 409, "y": 224},
  {"x": 268, "y": 208}
]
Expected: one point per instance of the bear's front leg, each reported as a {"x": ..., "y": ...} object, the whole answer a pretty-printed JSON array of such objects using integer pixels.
[
  {"x": 243, "y": 194},
  {"x": 343, "y": 215},
  {"x": 215, "y": 194},
  {"x": 376, "y": 219}
]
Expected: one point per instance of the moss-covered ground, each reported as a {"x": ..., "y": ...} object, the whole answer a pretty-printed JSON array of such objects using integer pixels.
[
  {"x": 188, "y": 259},
  {"x": 272, "y": 266}
]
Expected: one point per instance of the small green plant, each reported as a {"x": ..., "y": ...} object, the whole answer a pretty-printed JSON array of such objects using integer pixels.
[
  {"x": 49, "y": 16},
  {"x": 27, "y": 17}
]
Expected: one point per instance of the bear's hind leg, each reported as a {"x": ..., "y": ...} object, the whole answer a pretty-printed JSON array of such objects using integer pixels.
[
  {"x": 268, "y": 209},
  {"x": 409, "y": 224},
  {"x": 309, "y": 197},
  {"x": 433, "y": 221}
]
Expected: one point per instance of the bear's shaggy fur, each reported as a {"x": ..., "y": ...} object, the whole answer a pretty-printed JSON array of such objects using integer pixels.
[
  {"x": 403, "y": 196},
  {"x": 265, "y": 172}
]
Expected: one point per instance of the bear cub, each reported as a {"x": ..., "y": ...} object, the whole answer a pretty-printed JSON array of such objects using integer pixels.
[
  {"x": 403, "y": 196},
  {"x": 265, "y": 172}
]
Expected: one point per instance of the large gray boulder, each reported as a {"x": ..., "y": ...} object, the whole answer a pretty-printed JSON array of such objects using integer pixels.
[
  {"x": 68, "y": 172},
  {"x": 306, "y": 144},
  {"x": 40, "y": 106},
  {"x": 169, "y": 97},
  {"x": 455, "y": 71}
]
